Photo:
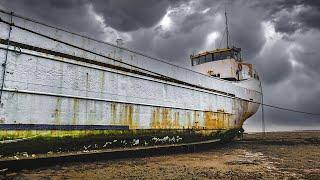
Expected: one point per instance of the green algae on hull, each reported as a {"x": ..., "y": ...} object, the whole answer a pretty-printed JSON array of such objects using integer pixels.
[
  {"x": 22, "y": 134},
  {"x": 81, "y": 140}
]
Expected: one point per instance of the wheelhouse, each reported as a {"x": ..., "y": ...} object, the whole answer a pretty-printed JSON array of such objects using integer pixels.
[{"x": 216, "y": 55}]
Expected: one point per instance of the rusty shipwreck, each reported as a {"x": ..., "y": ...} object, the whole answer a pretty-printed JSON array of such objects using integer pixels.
[{"x": 58, "y": 84}]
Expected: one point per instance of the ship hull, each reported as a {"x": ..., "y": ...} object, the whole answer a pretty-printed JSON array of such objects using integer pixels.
[
  {"x": 25, "y": 110},
  {"x": 52, "y": 89}
]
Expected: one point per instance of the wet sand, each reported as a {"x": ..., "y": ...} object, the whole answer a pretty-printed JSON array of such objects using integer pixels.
[{"x": 281, "y": 155}]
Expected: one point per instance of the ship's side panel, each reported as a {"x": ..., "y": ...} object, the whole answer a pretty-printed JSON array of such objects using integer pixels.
[
  {"x": 31, "y": 73},
  {"x": 43, "y": 90},
  {"x": 50, "y": 110}
]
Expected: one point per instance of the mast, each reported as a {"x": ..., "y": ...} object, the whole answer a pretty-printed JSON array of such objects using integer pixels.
[{"x": 227, "y": 30}]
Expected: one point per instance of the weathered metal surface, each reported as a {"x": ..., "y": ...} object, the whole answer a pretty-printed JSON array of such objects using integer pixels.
[
  {"x": 49, "y": 89},
  {"x": 225, "y": 68}
]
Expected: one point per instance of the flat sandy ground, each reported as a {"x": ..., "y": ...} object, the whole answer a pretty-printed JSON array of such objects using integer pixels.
[{"x": 285, "y": 155}]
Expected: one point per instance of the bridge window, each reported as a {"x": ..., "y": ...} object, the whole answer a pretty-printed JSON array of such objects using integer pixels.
[
  {"x": 222, "y": 55},
  {"x": 202, "y": 59},
  {"x": 216, "y": 56},
  {"x": 209, "y": 57}
]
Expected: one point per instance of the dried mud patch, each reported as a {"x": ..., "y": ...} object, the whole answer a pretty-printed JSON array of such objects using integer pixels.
[{"x": 252, "y": 158}]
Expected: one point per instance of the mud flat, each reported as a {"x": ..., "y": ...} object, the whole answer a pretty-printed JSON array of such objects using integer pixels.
[{"x": 280, "y": 155}]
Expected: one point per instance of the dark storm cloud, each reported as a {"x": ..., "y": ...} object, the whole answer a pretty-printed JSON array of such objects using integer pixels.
[
  {"x": 192, "y": 22},
  {"x": 246, "y": 29},
  {"x": 273, "y": 63},
  {"x": 309, "y": 15},
  {"x": 70, "y": 14},
  {"x": 122, "y": 15},
  {"x": 128, "y": 15},
  {"x": 186, "y": 35},
  {"x": 310, "y": 58},
  {"x": 290, "y": 16},
  {"x": 191, "y": 29},
  {"x": 286, "y": 24},
  {"x": 306, "y": 54}
]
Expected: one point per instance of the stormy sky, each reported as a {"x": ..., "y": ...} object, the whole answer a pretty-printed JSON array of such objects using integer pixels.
[{"x": 281, "y": 38}]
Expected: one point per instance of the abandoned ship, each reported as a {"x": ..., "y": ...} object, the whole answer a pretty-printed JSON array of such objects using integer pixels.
[{"x": 58, "y": 84}]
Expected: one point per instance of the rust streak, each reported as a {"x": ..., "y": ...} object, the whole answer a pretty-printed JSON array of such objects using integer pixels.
[
  {"x": 113, "y": 114},
  {"x": 75, "y": 114},
  {"x": 57, "y": 112}
]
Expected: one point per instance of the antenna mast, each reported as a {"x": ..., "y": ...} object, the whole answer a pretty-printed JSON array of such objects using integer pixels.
[{"x": 227, "y": 30}]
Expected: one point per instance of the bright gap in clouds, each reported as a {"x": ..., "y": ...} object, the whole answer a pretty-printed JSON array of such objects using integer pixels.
[
  {"x": 272, "y": 37},
  {"x": 211, "y": 40},
  {"x": 206, "y": 10},
  {"x": 269, "y": 31},
  {"x": 166, "y": 21}
]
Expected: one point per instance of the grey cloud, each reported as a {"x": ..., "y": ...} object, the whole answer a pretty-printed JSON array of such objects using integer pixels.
[
  {"x": 193, "y": 21},
  {"x": 122, "y": 15},
  {"x": 309, "y": 15},
  {"x": 309, "y": 58},
  {"x": 186, "y": 35},
  {"x": 293, "y": 95},
  {"x": 176, "y": 47},
  {"x": 190, "y": 30},
  {"x": 126, "y": 15},
  {"x": 302, "y": 19},
  {"x": 245, "y": 26},
  {"x": 286, "y": 24},
  {"x": 71, "y": 14},
  {"x": 300, "y": 89},
  {"x": 307, "y": 53},
  {"x": 273, "y": 63},
  {"x": 162, "y": 32},
  {"x": 246, "y": 31}
]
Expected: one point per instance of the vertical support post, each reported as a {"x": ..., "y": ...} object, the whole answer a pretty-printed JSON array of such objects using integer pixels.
[
  {"x": 263, "y": 126},
  {"x": 4, "y": 64}
]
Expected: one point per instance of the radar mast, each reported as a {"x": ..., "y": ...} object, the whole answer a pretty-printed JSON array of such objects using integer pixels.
[{"x": 227, "y": 30}]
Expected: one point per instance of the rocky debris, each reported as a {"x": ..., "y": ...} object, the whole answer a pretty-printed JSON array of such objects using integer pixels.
[
  {"x": 167, "y": 139},
  {"x": 106, "y": 144},
  {"x": 135, "y": 142},
  {"x": 25, "y": 154},
  {"x": 124, "y": 142},
  {"x": 16, "y": 157},
  {"x": 86, "y": 148},
  {"x": 3, "y": 170}
]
